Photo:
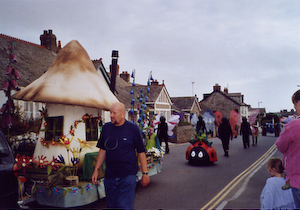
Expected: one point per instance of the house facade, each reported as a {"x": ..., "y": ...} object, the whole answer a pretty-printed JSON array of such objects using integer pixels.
[
  {"x": 187, "y": 106},
  {"x": 158, "y": 103},
  {"x": 225, "y": 102}
]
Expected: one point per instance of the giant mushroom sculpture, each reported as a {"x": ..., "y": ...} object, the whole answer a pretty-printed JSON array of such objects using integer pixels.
[{"x": 71, "y": 87}]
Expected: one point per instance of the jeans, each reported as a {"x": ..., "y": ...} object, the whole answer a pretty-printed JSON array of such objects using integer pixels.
[
  {"x": 296, "y": 195},
  {"x": 120, "y": 192}
]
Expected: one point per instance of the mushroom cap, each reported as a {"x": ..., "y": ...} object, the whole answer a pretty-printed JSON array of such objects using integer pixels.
[{"x": 72, "y": 80}]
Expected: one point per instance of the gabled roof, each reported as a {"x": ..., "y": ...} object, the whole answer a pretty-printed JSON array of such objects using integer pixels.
[
  {"x": 224, "y": 94},
  {"x": 32, "y": 59},
  {"x": 123, "y": 92},
  {"x": 183, "y": 103}
]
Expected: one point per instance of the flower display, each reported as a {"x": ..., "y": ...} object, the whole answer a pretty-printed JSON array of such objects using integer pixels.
[
  {"x": 155, "y": 152},
  {"x": 60, "y": 159},
  {"x": 66, "y": 141},
  {"x": 23, "y": 161},
  {"x": 41, "y": 162},
  {"x": 44, "y": 143},
  {"x": 74, "y": 190},
  {"x": 89, "y": 187},
  {"x": 56, "y": 191},
  {"x": 76, "y": 123},
  {"x": 75, "y": 160},
  {"x": 72, "y": 131},
  {"x": 83, "y": 144},
  {"x": 40, "y": 190},
  {"x": 54, "y": 164}
]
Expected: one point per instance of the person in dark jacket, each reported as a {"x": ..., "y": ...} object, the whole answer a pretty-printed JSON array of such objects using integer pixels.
[
  {"x": 200, "y": 127},
  {"x": 245, "y": 131},
  {"x": 225, "y": 134},
  {"x": 162, "y": 132}
]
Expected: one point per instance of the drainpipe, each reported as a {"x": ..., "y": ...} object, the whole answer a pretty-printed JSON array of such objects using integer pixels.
[{"x": 113, "y": 70}]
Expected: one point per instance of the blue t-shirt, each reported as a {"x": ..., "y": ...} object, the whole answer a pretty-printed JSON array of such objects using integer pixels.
[{"x": 121, "y": 144}]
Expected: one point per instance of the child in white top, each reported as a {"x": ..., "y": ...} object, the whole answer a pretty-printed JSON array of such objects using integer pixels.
[{"x": 273, "y": 196}]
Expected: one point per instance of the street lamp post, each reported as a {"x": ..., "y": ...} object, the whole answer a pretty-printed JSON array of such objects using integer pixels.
[{"x": 259, "y": 103}]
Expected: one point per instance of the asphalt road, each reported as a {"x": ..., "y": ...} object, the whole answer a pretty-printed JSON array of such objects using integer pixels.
[
  {"x": 233, "y": 182},
  {"x": 229, "y": 183}
]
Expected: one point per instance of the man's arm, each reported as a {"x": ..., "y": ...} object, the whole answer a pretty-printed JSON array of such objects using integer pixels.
[
  {"x": 100, "y": 160},
  {"x": 145, "y": 178}
]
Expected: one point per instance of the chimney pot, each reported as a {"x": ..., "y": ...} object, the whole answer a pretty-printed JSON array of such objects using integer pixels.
[
  {"x": 226, "y": 90},
  {"x": 217, "y": 87},
  {"x": 115, "y": 54},
  {"x": 125, "y": 76}
]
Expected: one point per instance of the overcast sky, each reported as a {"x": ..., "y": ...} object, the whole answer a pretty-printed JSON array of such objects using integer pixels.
[{"x": 250, "y": 46}]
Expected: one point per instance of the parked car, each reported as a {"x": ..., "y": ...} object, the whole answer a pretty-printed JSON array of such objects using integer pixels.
[{"x": 8, "y": 181}]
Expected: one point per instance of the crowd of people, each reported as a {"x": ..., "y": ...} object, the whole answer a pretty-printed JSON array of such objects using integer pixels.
[
  {"x": 282, "y": 189},
  {"x": 121, "y": 138}
]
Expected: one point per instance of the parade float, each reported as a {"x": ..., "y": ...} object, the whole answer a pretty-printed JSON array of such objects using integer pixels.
[
  {"x": 76, "y": 98},
  {"x": 201, "y": 151}
]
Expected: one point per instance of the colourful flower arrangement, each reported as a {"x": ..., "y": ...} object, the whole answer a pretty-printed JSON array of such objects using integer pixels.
[
  {"x": 23, "y": 162},
  {"x": 72, "y": 130},
  {"x": 158, "y": 153}
]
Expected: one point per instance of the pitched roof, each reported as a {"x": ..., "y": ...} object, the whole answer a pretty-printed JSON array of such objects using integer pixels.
[
  {"x": 224, "y": 94},
  {"x": 123, "y": 92},
  {"x": 72, "y": 80},
  {"x": 32, "y": 59},
  {"x": 183, "y": 103}
]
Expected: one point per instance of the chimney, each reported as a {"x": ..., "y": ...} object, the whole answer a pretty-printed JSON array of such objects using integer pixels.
[
  {"x": 154, "y": 82},
  {"x": 114, "y": 70},
  {"x": 48, "y": 40},
  {"x": 217, "y": 87},
  {"x": 125, "y": 76},
  {"x": 226, "y": 90},
  {"x": 59, "y": 46}
]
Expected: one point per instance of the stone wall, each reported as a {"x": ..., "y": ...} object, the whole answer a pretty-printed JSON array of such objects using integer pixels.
[{"x": 182, "y": 134}]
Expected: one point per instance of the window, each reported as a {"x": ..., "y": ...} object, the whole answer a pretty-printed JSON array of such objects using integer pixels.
[
  {"x": 54, "y": 128},
  {"x": 91, "y": 129}
]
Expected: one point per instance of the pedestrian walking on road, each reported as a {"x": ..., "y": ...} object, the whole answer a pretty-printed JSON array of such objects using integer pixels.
[
  {"x": 273, "y": 196},
  {"x": 254, "y": 135},
  {"x": 288, "y": 143},
  {"x": 245, "y": 131},
  {"x": 120, "y": 144},
  {"x": 162, "y": 132},
  {"x": 225, "y": 134},
  {"x": 200, "y": 127}
]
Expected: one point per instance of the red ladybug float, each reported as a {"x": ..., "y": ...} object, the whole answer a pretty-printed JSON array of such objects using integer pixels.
[{"x": 201, "y": 151}]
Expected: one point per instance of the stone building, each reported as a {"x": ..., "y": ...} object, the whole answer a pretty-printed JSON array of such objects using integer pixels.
[
  {"x": 224, "y": 102},
  {"x": 187, "y": 106}
]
